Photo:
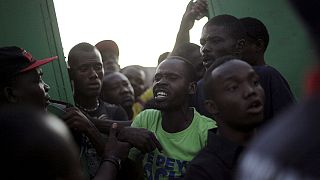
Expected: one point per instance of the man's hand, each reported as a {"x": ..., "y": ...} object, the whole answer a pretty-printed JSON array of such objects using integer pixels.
[
  {"x": 76, "y": 120},
  {"x": 114, "y": 147},
  {"x": 200, "y": 9},
  {"x": 140, "y": 138},
  {"x": 195, "y": 10}
]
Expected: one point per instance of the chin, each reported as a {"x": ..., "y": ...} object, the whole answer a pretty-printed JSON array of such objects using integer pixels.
[
  {"x": 93, "y": 94},
  {"x": 161, "y": 106}
]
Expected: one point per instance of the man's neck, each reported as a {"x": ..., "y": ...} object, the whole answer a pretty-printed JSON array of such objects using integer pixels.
[
  {"x": 260, "y": 60},
  {"x": 177, "y": 120},
  {"x": 86, "y": 102},
  {"x": 236, "y": 136}
]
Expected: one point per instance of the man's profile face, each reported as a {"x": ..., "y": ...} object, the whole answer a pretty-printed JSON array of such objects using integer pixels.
[
  {"x": 216, "y": 42},
  {"x": 29, "y": 88},
  {"x": 171, "y": 84},
  {"x": 87, "y": 73}
]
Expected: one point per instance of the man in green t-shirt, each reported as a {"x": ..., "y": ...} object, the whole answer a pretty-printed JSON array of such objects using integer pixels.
[{"x": 180, "y": 129}]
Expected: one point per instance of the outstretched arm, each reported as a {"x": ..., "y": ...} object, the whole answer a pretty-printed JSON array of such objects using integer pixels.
[{"x": 105, "y": 124}]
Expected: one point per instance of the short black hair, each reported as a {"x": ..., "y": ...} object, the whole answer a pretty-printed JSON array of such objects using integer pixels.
[
  {"x": 163, "y": 56},
  {"x": 185, "y": 50},
  {"x": 255, "y": 30},
  {"x": 191, "y": 72},
  {"x": 138, "y": 67},
  {"x": 207, "y": 82},
  {"x": 73, "y": 53},
  {"x": 231, "y": 24}
]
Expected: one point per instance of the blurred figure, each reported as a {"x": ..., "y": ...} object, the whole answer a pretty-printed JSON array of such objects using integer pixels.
[
  {"x": 137, "y": 78},
  {"x": 110, "y": 55},
  {"x": 289, "y": 147},
  {"x": 277, "y": 90},
  {"x": 142, "y": 93},
  {"x": 38, "y": 146}
]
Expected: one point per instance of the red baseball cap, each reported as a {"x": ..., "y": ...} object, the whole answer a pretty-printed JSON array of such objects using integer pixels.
[{"x": 15, "y": 60}]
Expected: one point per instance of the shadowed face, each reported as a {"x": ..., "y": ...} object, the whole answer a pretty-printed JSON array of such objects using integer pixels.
[
  {"x": 239, "y": 98},
  {"x": 35, "y": 141},
  {"x": 171, "y": 86},
  {"x": 29, "y": 88},
  {"x": 216, "y": 42},
  {"x": 86, "y": 72},
  {"x": 137, "y": 79},
  {"x": 117, "y": 89}
]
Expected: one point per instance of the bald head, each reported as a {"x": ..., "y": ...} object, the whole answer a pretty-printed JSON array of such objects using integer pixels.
[{"x": 36, "y": 146}]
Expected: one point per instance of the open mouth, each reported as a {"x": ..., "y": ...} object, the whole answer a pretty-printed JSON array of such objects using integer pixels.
[
  {"x": 47, "y": 100},
  {"x": 127, "y": 99},
  {"x": 94, "y": 86},
  {"x": 207, "y": 61},
  {"x": 255, "y": 107},
  {"x": 160, "y": 95}
]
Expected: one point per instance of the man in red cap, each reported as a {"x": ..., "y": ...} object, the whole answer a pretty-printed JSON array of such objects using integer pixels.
[{"x": 22, "y": 78}]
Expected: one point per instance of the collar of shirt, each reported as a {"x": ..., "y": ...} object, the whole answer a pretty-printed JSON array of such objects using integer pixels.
[{"x": 226, "y": 150}]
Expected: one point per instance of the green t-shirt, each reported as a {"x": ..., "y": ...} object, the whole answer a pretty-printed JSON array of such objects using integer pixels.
[{"x": 178, "y": 148}]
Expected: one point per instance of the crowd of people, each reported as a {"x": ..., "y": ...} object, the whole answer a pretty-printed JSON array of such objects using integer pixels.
[{"x": 215, "y": 111}]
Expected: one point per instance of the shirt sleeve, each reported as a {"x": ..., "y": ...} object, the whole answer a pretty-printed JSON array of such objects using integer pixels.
[{"x": 134, "y": 153}]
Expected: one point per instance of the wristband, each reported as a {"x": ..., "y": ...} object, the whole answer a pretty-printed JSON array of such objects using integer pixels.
[{"x": 114, "y": 160}]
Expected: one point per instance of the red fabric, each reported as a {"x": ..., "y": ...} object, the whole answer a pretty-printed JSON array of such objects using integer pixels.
[{"x": 313, "y": 82}]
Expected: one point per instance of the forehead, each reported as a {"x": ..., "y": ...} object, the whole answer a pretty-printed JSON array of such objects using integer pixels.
[
  {"x": 114, "y": 78},
  {"x": 109, "y": 56},
  {"x": 212, "y": 30},
  {"x": 134, "y": 72},
  {"x": 232, "y": 70},
  {"x": 86, "y": 57},
  {"x": 172, "y": 66}
]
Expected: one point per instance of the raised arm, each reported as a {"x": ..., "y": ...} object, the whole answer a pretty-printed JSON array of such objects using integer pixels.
[{"x": 194, "y": 10}]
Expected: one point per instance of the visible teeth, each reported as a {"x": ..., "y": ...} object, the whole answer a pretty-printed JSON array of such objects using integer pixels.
[{"x": 161, "y": 94}]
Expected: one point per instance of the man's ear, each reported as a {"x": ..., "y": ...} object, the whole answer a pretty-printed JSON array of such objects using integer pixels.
[
  {"x": 10, "y": 94},
  {"x": 70, "y": 72},
  {"x": 192, "y": 88},
  {"x": 211, "y": 107},
  {"x": 260, "y": 45},
  {"x": 240, "y": 45}
]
